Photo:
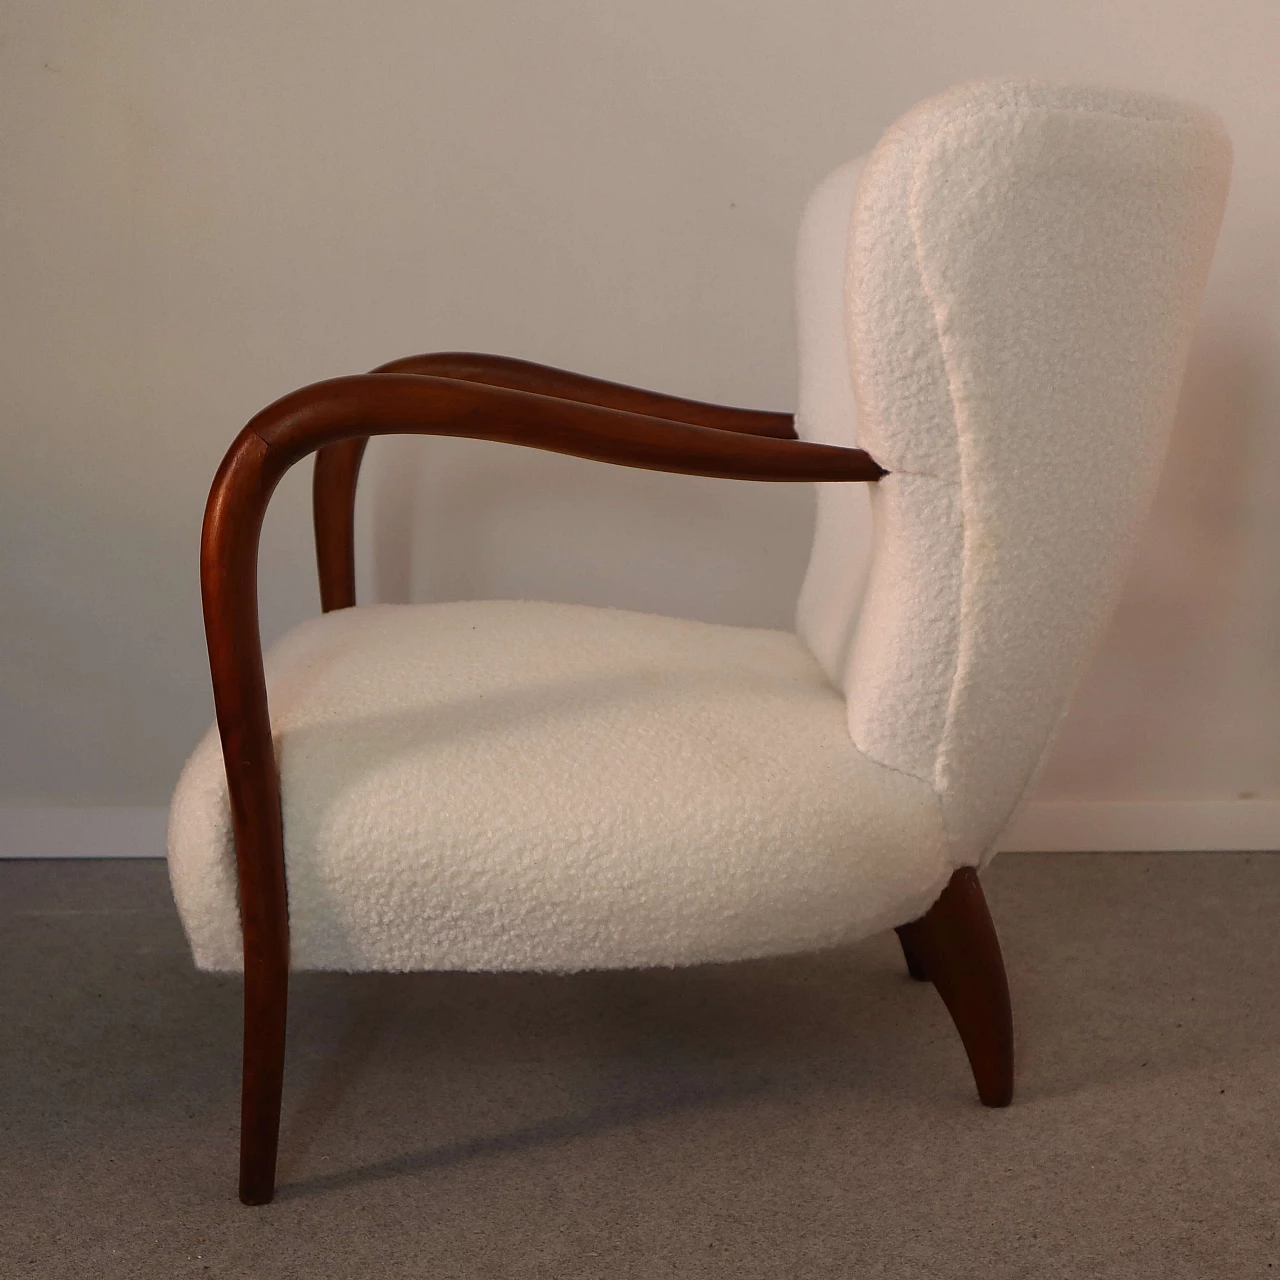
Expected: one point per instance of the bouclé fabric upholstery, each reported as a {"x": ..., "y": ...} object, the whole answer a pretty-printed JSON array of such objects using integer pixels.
[
  {"x": 997, "y": 304},
  {"x": 1026, "y": 264},
  {"x": 525, "y": 785}
]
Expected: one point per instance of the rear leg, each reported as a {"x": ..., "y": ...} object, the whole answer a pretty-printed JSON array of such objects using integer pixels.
[
  {"x": 915, "y": 966},
  {"x": 954, "y": 944}
]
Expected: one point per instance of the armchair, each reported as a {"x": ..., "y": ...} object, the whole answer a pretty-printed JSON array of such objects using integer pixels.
[{"x": 994, "y": 313}]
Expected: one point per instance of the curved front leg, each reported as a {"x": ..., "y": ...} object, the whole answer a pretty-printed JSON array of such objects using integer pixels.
[{"x": 342, "y": 414}]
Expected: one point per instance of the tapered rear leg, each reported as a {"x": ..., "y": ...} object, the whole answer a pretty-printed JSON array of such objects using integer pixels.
[
  {"x": 266, "y": 992},
  {"x": 955, "y": 945}
]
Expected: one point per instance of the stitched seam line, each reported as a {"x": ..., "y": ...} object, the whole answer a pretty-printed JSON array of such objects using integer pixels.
[
  {"x": 884, "y": 764},
  {"x": 959, "y": 482}
]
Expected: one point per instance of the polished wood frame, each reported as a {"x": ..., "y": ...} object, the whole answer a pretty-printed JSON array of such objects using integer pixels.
[
  {"x": 338, "y": 465},
  {"x": 486, "y": 398}
]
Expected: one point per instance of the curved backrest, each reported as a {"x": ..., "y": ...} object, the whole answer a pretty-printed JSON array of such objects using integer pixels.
[
  {"x": 826, "y": 413},
  {"x": 1023, "y": 274}
]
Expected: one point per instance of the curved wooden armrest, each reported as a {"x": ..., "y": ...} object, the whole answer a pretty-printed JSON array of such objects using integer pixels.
[
  {"x": 337, "y": 466},
  {"x": 345, "y": 413},
  {"x": 353, "y": 409},
  {"x": 543, "y": 380}
]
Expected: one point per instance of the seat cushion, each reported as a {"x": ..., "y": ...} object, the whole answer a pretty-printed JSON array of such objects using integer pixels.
[{"x": 510, "y": 785}]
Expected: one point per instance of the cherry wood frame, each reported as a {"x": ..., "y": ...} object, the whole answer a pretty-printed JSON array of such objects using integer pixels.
[{"x": 488, "y": 398}]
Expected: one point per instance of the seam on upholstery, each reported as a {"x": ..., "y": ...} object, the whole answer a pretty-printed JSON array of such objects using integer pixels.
[
  {"x": 924, "y": 475},
  {"x": 893, "y": 768},
  {"x": 915, "y": 777},
  {"x": 933, "y": 792},
  {"x": 934, "y": 309},
  {"x": 1016, "y": 87}
]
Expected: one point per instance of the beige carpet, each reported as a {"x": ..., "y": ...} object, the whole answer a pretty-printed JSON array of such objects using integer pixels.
[{"x": 811, "y": 1117}]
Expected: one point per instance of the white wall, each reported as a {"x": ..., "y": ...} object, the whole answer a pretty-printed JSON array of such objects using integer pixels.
[{"x": 208, "y": 204}]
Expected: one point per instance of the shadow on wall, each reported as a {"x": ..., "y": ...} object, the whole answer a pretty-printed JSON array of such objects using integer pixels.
[{"x": 1169, "y": 656}]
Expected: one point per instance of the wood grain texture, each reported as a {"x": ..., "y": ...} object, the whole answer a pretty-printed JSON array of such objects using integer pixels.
[
  {"x": 333, "y": 505},
  {"x": 955, "y": 946},
  {"x": 523, "y": 375},
  {"x": 349, "y": 411},
  {"x": 337, "y": 467}
]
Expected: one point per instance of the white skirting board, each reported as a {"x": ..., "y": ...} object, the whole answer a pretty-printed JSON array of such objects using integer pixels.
[
  {"x": 1045, "y": 826},
  {"x": 126, "y": 832},
  {"x": 1145, "y": 826}
]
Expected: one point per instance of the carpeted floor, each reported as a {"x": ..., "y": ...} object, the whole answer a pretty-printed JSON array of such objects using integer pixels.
[{"x": 809, "y": 1117}]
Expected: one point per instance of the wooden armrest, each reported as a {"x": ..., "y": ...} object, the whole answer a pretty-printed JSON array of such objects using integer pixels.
[
  {"x": 524, "y": 375},
  {"x": 337, "y": 466},
  {"x": 353, "y": 409}
]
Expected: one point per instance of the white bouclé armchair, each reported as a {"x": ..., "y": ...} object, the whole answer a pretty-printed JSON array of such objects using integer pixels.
[{"x": 994, "y": 310}]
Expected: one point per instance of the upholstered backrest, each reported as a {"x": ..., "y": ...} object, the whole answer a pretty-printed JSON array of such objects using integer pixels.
[
  {"x": 1023, "y": 275},
  {"x": 827, "y": 611}
]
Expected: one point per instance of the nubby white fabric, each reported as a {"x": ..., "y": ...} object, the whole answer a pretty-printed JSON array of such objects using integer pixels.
[
  {"x": 827, "y": 611},
  {"x": 1026, "y": 265},
  {"x": 997, "y": 307},
  {"x": 521, "y": 785}
]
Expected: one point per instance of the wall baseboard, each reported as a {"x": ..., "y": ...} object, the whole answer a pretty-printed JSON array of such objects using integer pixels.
[
  {"x": 1046, "y": 826},
  {"x": 126, "y": 832},
  {"x": 1145, "y": 826}
]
